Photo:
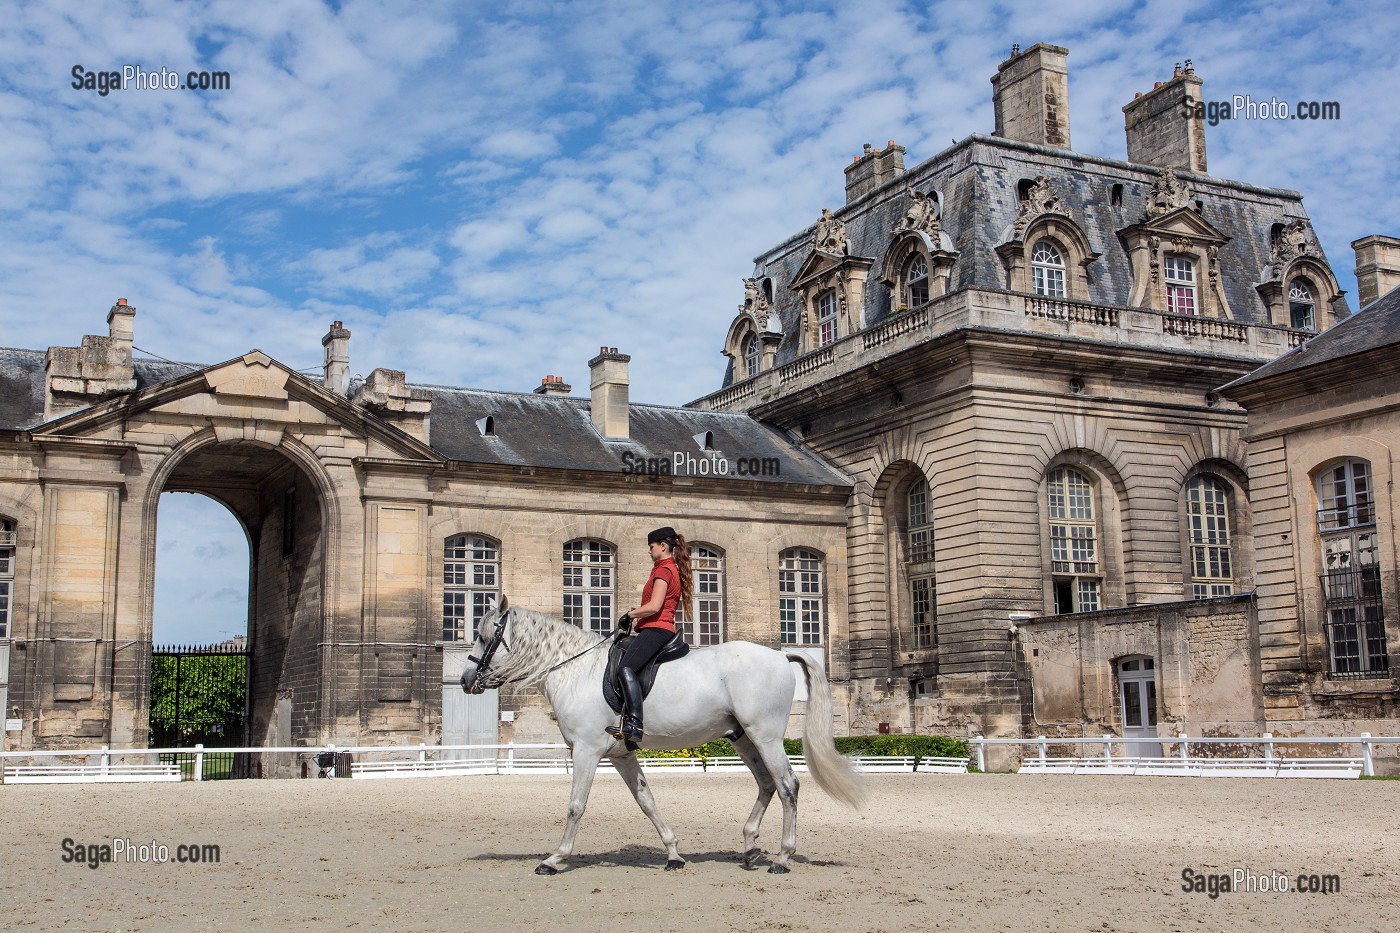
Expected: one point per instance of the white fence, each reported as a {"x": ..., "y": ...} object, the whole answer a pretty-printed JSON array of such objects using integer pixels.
[
  {"x": 1271, "y": 759},
  {"x": 108, "y": 765}
]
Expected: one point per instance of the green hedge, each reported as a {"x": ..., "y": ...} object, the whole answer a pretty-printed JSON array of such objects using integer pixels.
[{"x": 928, "y": 746}]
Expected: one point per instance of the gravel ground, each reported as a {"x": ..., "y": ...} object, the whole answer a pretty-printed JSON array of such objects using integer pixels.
[{"x": 929, "y": 852}]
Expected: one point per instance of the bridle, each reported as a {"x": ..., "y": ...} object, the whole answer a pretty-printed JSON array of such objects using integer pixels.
[{"x": 482, "y": 682}]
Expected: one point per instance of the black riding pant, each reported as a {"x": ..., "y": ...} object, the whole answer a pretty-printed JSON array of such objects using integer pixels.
[{"x": 646, "y": 644}]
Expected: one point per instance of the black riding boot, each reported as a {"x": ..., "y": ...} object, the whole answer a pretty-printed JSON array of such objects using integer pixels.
[{"x": 631, "y": 729}]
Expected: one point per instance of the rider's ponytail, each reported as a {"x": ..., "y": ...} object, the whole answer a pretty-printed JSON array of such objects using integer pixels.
[{"x": 682, "y": 556}]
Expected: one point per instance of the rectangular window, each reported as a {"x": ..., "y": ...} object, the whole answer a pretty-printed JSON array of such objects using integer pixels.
[
  {"x": 923, "y": 600},
  {"x": 1351, "y": 588},
  {"x": 7, "y": 574},
  {"x": 708, "y": 629},
  {"x": 800, "y": 598},
  {"x": 588, "y": 585},
  {"x": 1181, "y": 284}
]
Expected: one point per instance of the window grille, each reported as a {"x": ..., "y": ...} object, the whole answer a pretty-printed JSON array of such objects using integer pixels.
[
  {"x": 1301, "y": 306},
  {"x": 1208, "y": 521},
  {"x": 589, "y": 574},
  {"x": 750, "y": 356},
  {"x": 800, "y": 597},
  {"x": 7, "y": 573},
  {"x": 1351, "y": 577},
  {"x": 1073, "y": 542},
  {"x": 826, "y": 318},
  {"x": 916, "y": 275},
  {"x": 707, "y": 564},
  {"x": 1181, "y": 284},
  {"x": 471, "y": 572},
  {"x": 1047, "y": 270}
]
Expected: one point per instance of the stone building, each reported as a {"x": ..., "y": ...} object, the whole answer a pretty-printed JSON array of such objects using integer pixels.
[{"x": 971, "y": 451}]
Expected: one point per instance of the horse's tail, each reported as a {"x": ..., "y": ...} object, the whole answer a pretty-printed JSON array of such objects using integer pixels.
[{"x": 833, "y": 772}]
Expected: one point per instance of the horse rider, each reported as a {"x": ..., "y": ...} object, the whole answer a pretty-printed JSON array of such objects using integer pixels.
[{"x": 669, "y": 585}]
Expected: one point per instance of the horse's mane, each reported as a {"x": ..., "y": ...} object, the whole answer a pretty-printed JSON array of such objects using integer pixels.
[{"x": 537, "y": 642}]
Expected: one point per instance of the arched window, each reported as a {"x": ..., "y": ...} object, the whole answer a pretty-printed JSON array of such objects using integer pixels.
[
  {"x": 1047, "y": 270},
  {"x": 1180, "y": 274},
  {"x": 1351, "y": 572},
  {"x": 707, "y": 563},
  {"x": 800, "y": 592},
  {"x": 1208, "y": 521},
  {"x": 1301, "y": 306},
  {"x": 7, "y": 573},
  {"x": 751, "y": 356},
  {"x": 923, "y": 601},
  {"x": 1074, "y": 553},
  {"x": 471, "y": 582},
  {"x": 588, "y": 585},
  {"x": 827, "y": 330},
  {"x": 916, "y": 281}
]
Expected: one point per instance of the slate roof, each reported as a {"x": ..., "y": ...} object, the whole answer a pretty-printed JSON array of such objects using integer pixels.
[
  {"x": 978, "y": 180},
  {"x": 558, "y": 431},
  {"x": 1375, "y": 326},
  {"x": 530, "y": 430}
]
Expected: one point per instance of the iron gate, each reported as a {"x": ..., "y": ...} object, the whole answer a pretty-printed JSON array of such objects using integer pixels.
[{"x": 199, "y": 695}]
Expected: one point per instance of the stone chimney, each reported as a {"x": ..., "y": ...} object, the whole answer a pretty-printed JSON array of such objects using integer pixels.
[
  {"x": 1030, "y": 94},
  {"x": 75, "y": 377},
  {"x": 336, "y": 346},
  {"x": 609, "y": 384},
  {"x": 872, "y": 169},
  {"x": 1377, "y": 267},
  {"x": 386, "y": 393},
  {"x": 1167, "y": 125},
  {"x": 553, "y": 385}
]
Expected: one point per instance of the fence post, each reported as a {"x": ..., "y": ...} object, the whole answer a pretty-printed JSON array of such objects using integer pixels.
[
  {"x": 1268, "y": 746},
  {"x": 106, "y": 761},
  {"x": 1185, "y": 748},
  {"x": 199, "y": 761},
  {"x": 981, "y": 753},
  {"x": 1044, "y": 748},
  {"x": 1108, "y": 749},
  {"x": 510, "y": 754},
  {"x": 422, "y": 752},
  {"x": 1368, "y": 766}
]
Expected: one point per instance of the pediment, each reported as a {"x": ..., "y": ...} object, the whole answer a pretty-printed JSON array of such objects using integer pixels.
[
  {"x": 819, "y": 263},
  {"x": 255, "y": 390},
  {"x": 1179, "y": 223}
]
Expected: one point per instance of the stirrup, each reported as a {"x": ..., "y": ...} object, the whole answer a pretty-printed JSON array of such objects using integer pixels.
[{"x": 630, "y": 731}]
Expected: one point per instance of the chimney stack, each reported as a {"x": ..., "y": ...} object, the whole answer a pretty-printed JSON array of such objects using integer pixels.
[
  {"x": 1030, "y": 95},
  {"x": 1167, "y": 126},
  {"x": 336, "y": 344},
  {"x": 872, "y": 169},
  {"x": 609, "y": 385},
  {"x": 553, "y": 385},
  {"x": 1377, "y": 267},
  {"x": 121, "y": 330},
  {"x": 75, "y": 377}
]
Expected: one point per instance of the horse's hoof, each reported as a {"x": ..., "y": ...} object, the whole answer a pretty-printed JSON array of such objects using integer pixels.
[
  {"x": 751, "y": 858},
  {"x": 675, "y": 864},
  {"x": 776, "y": 869},
  {"x": 543, "y": 869}
]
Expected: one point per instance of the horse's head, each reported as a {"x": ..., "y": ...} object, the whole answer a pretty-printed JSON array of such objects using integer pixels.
[{"x": 490, "y": 647}]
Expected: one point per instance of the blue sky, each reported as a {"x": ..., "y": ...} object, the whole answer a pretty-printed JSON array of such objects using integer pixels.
[{"x": 485, "y": 193}]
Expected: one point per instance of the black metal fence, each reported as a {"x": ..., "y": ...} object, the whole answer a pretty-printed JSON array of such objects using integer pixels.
[{"x": 199, "y": 696}]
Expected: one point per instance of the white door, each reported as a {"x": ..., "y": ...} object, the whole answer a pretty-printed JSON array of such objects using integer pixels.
[
  {"x": 1137, "y": 688},
  {"x": 467, "y": 719}
]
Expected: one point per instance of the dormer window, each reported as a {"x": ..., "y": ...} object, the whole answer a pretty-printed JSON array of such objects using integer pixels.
[
  {"x": 1301, "y": 306},
  {"x": 826, "y": 318},
  {"x": 1180, "y": 274},
  {"x": 751, "y": 356},
  {"x": 1047, "y": 270},
  {"x": 916, "y": 275}
]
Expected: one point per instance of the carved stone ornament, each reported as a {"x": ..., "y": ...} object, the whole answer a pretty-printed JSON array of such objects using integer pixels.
[
  {"x": 1042, "y": 198},
  {"x": 831, "y": 234},
  {"x": 1294, "y": 240},
  {"x": 1168, "y": 194},
  {"x": 755, "y": 302},
  {"x": 921, "y": 216}
]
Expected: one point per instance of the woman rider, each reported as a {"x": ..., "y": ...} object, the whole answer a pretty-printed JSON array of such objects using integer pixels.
[{"x": 670, "y": 584}]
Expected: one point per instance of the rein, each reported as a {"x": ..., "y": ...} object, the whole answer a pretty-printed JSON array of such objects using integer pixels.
[{"x": 484, "y": 681}]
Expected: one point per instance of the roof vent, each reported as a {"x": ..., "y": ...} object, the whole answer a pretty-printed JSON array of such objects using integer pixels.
[{"x": 487, "y": 426}]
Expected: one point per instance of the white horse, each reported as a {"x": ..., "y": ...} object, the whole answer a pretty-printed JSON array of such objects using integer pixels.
[{"x": 737, "y": 689}]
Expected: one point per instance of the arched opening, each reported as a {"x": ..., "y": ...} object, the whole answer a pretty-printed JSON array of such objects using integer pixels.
[
  {"x": 277, "y": 508},
  {"x": 199, "y": 631}
]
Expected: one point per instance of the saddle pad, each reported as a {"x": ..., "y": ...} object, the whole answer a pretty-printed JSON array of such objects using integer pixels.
[{"x": 612, "y": 691}]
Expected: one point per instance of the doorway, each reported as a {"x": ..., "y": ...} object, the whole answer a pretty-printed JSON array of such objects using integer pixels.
[{"x": 1137, "y": 695}]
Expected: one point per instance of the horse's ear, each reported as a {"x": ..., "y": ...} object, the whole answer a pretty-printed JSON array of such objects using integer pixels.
[{"x": 504, "y": 607}]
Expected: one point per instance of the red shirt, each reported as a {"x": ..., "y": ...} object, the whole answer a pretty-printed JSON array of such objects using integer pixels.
[{"x": 664, "y": 569}]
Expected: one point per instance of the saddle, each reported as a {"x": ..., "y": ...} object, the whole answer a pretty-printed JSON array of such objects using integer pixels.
[{"x": 612, "y": 685}]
